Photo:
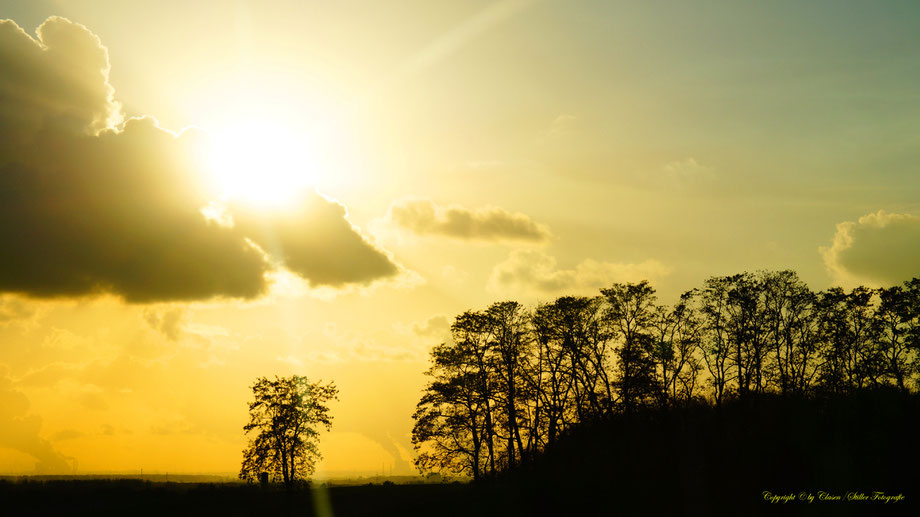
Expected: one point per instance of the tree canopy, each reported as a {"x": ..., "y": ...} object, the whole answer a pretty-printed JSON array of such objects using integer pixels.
[{"x": 284, "y": 418}]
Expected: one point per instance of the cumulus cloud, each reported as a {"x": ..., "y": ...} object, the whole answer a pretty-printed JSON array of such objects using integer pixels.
[
  {"x": 879, "y": 249},
  {"x": 536, "y": 273},
  {"x": 89, "y": 204},
  {"x": 424, "y": 217},
  {"x": 315, "y": 240},
  {"x": 63, "y": 74}
]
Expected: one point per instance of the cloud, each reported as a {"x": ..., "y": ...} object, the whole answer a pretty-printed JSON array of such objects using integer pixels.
[
  {"x": 453, "y": 275},
  {"x": 290, "y": 359},
  {"x": 174, "y": 425},
  {"x": 435, "y": 326},
  {"x": 315, "y": 240},
  {"x": 879, "y": 249},
  {"x": 89, "y": 204},
  {"x": 434, "y": 329},
  {"x": 20, "y": 430},
  {"x": 535, "y": 273},
  {"x": 356, "y": 346},
  {"x": 563, "y": 125},
  {"x": 169, "y": 322},
  {"x": 62, "y": 74},
  {"x": 689, "y": 169},
  {"x": 14, "y": 309},
  {"x": 678, "y": 174},
  {"x": 67, "y": 434},
  {"x": 424, "y": 217}
]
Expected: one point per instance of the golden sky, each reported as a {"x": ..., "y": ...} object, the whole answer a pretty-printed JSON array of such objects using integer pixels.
[{"x": 193, "y": 195}]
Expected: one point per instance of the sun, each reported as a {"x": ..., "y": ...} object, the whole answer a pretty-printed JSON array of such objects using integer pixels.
[{"x": 261, "y": 162}]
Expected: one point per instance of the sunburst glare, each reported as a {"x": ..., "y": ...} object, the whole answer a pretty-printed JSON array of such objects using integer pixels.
[{"x": 261, "y": 162}]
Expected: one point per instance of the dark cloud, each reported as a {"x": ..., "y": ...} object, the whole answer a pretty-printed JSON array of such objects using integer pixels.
[
  {"x": 879, "y": 249},
  {"x": 316, "y": 241},
  {"x": 87, "y": 206},
  {"x": 424, "y": 217},
  {"x": 63, "y": 74},
  {"x": 117, "y": 213}
]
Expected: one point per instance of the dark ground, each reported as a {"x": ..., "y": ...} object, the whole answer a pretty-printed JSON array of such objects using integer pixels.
[
  {"x": 692, "y": 461},
  {"x": 139, "y": 498}
]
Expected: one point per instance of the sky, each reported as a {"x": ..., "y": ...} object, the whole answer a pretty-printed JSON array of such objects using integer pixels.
[{"x": 195, "y": 195}]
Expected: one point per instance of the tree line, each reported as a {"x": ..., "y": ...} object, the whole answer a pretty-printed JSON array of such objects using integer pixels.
[{"x": 513, "y": 380}]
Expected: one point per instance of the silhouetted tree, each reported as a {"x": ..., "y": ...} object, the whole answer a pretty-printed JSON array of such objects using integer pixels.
[
  {"x": 894, "y": 321},
  {"x": 508, "y": 344},
  {"x": 553, "y": 377},
  {"x": 746, "y": 332},
  {"x": 455, "y": 425},
  {"x": 833, "y": 340},
  {"x": 630, "y": 314},
  {"x": 284, "y": 417},
  {"x": 912, "y": 324},
  {"x": 715, "y": 342},
  {"x": 792, "y": 331},
  {"x": 851, "y": 341},
  {"x": 677, "y": 335},
  {"x": 449, "y": 417},
  {"x": 514, "y": 381}
]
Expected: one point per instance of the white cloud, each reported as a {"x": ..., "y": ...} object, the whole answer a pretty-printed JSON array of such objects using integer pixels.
[
  {"x": 681, "y": 174},
  {"x": 563, "y": 125},
  {"x": 879, "y": 249}
]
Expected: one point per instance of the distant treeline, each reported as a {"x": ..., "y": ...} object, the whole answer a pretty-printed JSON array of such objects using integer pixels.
[{"x": 514, "y": 380}]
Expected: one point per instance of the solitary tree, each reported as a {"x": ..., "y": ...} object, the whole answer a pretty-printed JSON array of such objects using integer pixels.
[{"x": 283, "y": 421}]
